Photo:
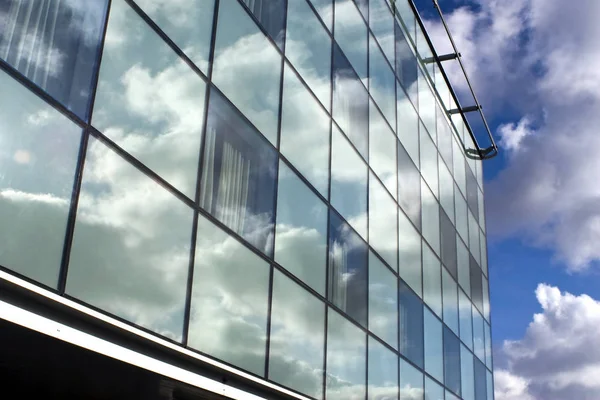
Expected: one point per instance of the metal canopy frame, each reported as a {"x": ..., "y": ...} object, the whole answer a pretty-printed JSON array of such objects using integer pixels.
[{"x": 478, "y": 152}]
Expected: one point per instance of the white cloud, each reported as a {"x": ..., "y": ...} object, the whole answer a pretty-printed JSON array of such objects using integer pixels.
[{"x": 511, "y": 134}]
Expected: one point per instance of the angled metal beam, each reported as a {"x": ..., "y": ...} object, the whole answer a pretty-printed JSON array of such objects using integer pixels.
[
  {"x": 463, "y": 110},
  {"x": 445, "y": 57}
]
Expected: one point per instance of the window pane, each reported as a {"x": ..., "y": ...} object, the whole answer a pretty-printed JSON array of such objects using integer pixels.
[
  {"x": 406, "y": 65},
  {"x": 462, "y": 221},
  {"x": 480, "y": 381},
  {"x": 383, "y": 372},
  {"x": 408, "y": 125},
  {"x": 478, "y": 335},
  {"x": 483, "y": 247},
  {"x": 228, "y": 317},
  {"x": 488, "y": 344},
  {"x": 472, "y": 196},
  {"x": 409, "y": 187},
  {"x": 382, "y": 82},
  {"x": 351, "y": 34},
  {"x": 411, "y": 382},
  {"x": 383, "y": 231},
  {"x": 490, "y": 386},
  {"x": 149, "y": 101},
  {"x": 347, "y": 270},
  {"x": 481, "y": 207},
  {"x": 446, "y": 190},
  {"x": 188, "y": 23},
  {"x": 305, "y": 132},
  {"x": 238, "y": 175},
  {"x": 346, "y": 359},
  {"x": 250, "y": 82},
  {"x": 459, "y": 166},
  {"x": 349, "y": 175},
  {"x": 466, "y": 374},
  {"x": 409, "y": 253},
  {"x": 451, "y": 361},
  {"x": 486, "y": 298},
  {"x": 382, "y": 150},
  {"x": 383, "y": 301},
  {"x": 466, "y": 322},
  {"x": 450, "y": 292},
  {"x": 432, "y": 280},
  {"x": 350, "y": 101},
  {"x": 464, "y": 268},
  {"x": 325, "y": 10},
  {"x": 444, "y": 135},
  {"x": 427, "y": 105},
  {"x": 448, "y": 239},
  {"x": 55, "y": 45},
  {"x": 430, "y": 217},
  {"x": 131, "y": 245},
  {"x": 474, "y": 237},
  {"x": 301, "y": 230},
  {"x": 308, "y": 47},
  {"x": 429, "y": 161},
  {"x": 271, "y": 15},
  {"x": 297, "y": 337},
  {"x": 38, "y": 157},
  {"x": 381, "y": 22},
  {"x": 433, "y": 391},
  {"x": 411, "y": 326},
  {"x": 434, "y": 348},
  {"x": 476, "y": 286}
]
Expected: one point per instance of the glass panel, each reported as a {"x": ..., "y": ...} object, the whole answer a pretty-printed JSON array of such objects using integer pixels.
[
  {"x": 462, "y": 220},
  {"x": 383, "y": 231},
  {"x": 346, "y": 359},
  {"x": 411, "y": 382},
  {"x": 466, "y": 322},
  {"x": 228, "y": 317},
  {"x": 407, "y": 15},
  {"x": 490, "y": 385},
  {"x": 409, "y": 253},
  {"x": 297, "y": 337},
  {"x": 486, "y": 298},
  {"x": 363, "y": 6},
  {"x": 464, "y": 266},
  {"x": 250, "y": 82},
  {"x": 450, "y": 396},
  {"x": 478, "y": 335},
  {"x": 406, "y": 65},
  {"x": 305, "y": 132},
  {"x": 349, "y": 175},
  {"x": 308, "y": 47},
  {"x": 458, "y": 162},
  {"x": 483, "y": 247},
  {"x": 429, "y": 161},
  {"x": 488, "y": 345},
  {"x": 350, "y": 101},
  {"x": 476, "y": 284},
  {"x": 301, "y": 230},
  {"x": 351, "y": 35},
  {"x": 434, "y": 347},
  {"x": 409, "y": 187},
  {"x": 451, "y": 361},
  {"x": 480, "y": 206},
  {"x": 187, "y": 23},
  {"x": 383, "y": 372},
  {"x": 446, "y": 190},
  {"x": 411, "y": 326},
  {"x": 383, "y": 301},
  {"x": 430, "y": 217},
  {"x": 382, "y": 150},
  {"x": 474, "y": 237},
  {"x": 432, "y": 280},
  {"x": 55, "y": 45},
  {"x": 433, "y": 391},
  {"x": 149, "y": 101},
  {"x": 427, "y": 105},
  {"x": 38, "y": 157},
  {"x": 381, "y": 22},
  {"x": 238, "y": 175},
  {"x": 467, "y": 374},
  {"x": 472, "y": 196},
  {"x": 347, "y": 270},
  {"x": 325, "y": 10},
  {"x": 382, "y": 82},
  {"x": 407, "y": 125},
  {"x": 448, "y": 239},
  {"x": 271, "y": 15},
  {"x": 444, "y": 136},
  {"x": 450, "y": 293},
  {"x": 131, "y": 245},
  {"x": 480, "y": 381}
]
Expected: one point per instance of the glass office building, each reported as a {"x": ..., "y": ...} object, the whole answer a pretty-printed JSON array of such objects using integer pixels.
[{"x": 270, "y": 198}]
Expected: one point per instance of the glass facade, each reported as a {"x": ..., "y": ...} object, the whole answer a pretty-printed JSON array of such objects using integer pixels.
[{"x": 273, "y": 184}]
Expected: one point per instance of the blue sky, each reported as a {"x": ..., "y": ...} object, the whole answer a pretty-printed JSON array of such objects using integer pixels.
[{"x": 534, "y": 67}]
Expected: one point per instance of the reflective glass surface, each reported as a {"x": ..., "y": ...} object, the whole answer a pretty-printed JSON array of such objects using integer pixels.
[
  {"x": 478, "y": 335},
  {"x": 411, "y": 326},
  {"x": 381, "y": 22},
  {"x": 407, "y": 125},
  {"x": 444, "y": 135},
  {"x": 458, "y": 162},
  {"x": 464, "y": 266},
  {"x": 411, "y": 382},
  {"x": 486, "y": 298},
  {"x": 432, "y": 280},
  {"x": 448, "y": 244},
  {"x": 433, "y": 391},
  {"x": 476, "y": 285},
  {"x": 474, "y": 238},
  {"x": 406, "y": 65},
  {"x": 383, "y": 301},
  {"x": 472, "y": 196},
  {"x": 434, "y": 345},
  {"x": 382, "y": 82},
  {"x": 488, "y": 344},
  {"x": 383, "y": 372},
  {"x": 467, "y": 374},
  {"x": 270, "y": 14},
  {"x": 429, "y": 161},
  {"x": 324, "y": 9},
  {"x": 466, "y": 319},
  {"x": 451, "y": 361},
  {"x": 409, "y": 187},
  {"x": 351, "y": 34},
  {"x": 427, "y": 106},
  {"x": 450, "y": 296},
  {"x": 430, "y": 218},
  {"x": 480, "y": 381},
  {"x": 382, "y": 150},
  {"x": 409, "y": 254},
  {"x": 383, "y": 230},
  {"x": 446, "y": 190},
  {"x": 461, "y": 212}
]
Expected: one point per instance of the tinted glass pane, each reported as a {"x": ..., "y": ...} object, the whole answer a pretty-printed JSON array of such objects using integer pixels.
[
  {"x": 462, "y": 221},
  {"x": 228, "y": 317},
  {"x": 446, "y": 190},
  {"x": 433, "y": 391},
  {"x": 429, "y": 161},
  {"x": 325, "y": 10},
  {"x": 448, "y": 244},
  {"x": 464, "y": 267},
  {"x": 480, "y": 381},
  {"x": 346, "y": 359},
  {"x": 301, "y": 230},
  {"x": 305, "y": 130},
  {"x": 486, "y": 298},
  {"x": 383, "y": 231},
  {"x": 406, "y": 65},
  {"x": 349, "y": 175},
  {"x": 466, "y": 322},
  {"x": 351, "y": 35},
  {"x": 409, "y": 187},
  {"x": 382, "y": 150},
  {"x": 350, "y": 101},
  {"x": 490, "y": 386},
  {"x": 458, "y": 162},
  {"x": 430, "y": 217},
  {"x": 411, "y": 326},
  {"x": 383, "y": 372},
  {"x": 476, "y": 287},
  {"x": 411, "y": 382},
  {"x": 363, "y": 6},
  {"x": 409, "y": 253},
  {"x": 271, "y": 15},
  {"x": 450, "y": 294},
  {"x": 347, "y": 270},
  {"x": 382, "y": 82},
  {"x": 444, "y": 134},
  {"x": 427, "y": 105},
  {"x": 55, "y": 45},
  {"x": 188, "y": 23},
  {"x": 250, "y": 82},
  {"x": 381, "y": 22},
  {"x": 478, "y": 335},
  {"x": 383, "y": 301},
  {"x": 131, "y": 245},
  {"x": 432, "y": 280},
  {"x": 474, "y": 237},
  {"x": 466, "y": 374},
  {"x": 238, "y": 175},
  {"x": 308, "y": 47},
  {"x": 38, "y": 155},
  {"x": 451, "y": 361},
  {"x": 149, "y": 101},
  {"x": 434, "y": 349},
  {"x": 472, "y": 199},
  {"x": 408, "y": 125},
  {"x": 488, "y": 344},
  {"x": 480, "y": 205},
  {"x": 297, "y": 337},
  {"x": 483, "y": 247}
]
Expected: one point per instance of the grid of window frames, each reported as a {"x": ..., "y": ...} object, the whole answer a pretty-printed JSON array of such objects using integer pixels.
[{"x": 274, "y": 184}]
